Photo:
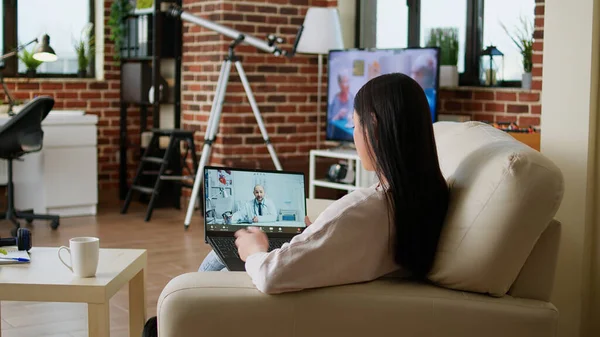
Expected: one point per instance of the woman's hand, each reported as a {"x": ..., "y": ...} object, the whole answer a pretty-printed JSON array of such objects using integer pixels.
[
  {"x": 307, "y": 221},
  {"x": 250, "y": 241}
]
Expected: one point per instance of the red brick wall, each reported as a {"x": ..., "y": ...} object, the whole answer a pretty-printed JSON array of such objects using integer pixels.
[
  {"x": 284, "y": 88},
  {"x": 503, "y": 104}
]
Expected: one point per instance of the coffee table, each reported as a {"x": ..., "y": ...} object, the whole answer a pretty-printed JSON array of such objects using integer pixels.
[{"x": 46, "y": 279}]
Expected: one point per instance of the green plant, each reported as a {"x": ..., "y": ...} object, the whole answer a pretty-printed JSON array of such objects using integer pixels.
[
  {"x": 447, "y": 40},
  {"x": 85, "y": 51},
  {"x": 118, "y": 11},
  {"x": 27, "y": 58},
  {"x": 523, "y": 39}
]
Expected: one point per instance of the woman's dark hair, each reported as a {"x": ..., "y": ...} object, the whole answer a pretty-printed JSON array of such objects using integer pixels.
[{"x": 396, "y": 121}]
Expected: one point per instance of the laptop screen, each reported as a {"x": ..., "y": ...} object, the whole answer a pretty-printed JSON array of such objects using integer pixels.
[{"x": 236, "y": 198}]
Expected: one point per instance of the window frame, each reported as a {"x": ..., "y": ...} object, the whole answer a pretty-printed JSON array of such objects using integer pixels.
[
  {"x": 474, "y": 38},
  {"x": 10, "y": 32}
]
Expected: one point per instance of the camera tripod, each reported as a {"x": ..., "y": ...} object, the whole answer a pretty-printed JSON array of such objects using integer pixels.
[
  {"x": 215, "y": 118},
  {"x": 269, "y": 46}
]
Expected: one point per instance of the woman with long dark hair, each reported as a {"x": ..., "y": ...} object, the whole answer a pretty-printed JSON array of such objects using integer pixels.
[{"x": 371, "y": 232}]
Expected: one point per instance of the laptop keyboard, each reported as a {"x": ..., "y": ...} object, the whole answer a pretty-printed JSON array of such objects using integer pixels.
[
  {"x": 227, "y": 247},
  {"x": 275, "y": 243}
]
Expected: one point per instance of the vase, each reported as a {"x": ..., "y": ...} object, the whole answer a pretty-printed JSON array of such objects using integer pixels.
[
  {"x": 526, "y": 81},
  {"x": 30, "y": 73},
  {"x": 82, "y": 73},
  {"x": 448, "y": 76}
]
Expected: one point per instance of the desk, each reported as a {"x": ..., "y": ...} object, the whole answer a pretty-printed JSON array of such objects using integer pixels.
[{"x": 62, "y": 178}]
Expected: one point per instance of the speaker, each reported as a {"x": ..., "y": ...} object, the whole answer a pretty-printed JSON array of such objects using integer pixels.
[
  {"x": 337, "y": 172},
  {"x": 23, "y": 240}
]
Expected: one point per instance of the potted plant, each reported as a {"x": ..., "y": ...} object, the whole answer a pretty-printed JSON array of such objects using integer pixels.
[
  {"x": 30, "y": 63},
  {"x": 523, "y": 39},
  {"x": 447, "y": 40},
  {"x": 85, "y": 50},
  {"x": 116, "y": 22}
]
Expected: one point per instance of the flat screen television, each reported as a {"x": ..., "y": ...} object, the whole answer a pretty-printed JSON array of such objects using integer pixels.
[{"x": 348, "y": 70}]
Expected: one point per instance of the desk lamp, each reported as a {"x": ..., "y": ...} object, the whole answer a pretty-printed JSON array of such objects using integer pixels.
[{"x": 43, "y": 52}]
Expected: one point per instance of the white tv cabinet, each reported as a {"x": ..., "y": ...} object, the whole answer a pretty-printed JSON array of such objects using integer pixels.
[
  {"x": 62, "y": 178},
  {"x": 362, "y": 178}
]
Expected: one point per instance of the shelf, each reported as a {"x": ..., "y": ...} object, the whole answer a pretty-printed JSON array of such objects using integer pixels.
[
  {"x": 139, "y": 12},
  {"x": 148, "y": 103},
  {"x": 338, "y": 153},
  {"x": 138, "y": 103},
  {"x": 329, "y": 184},
  {"x": 151, "y": 37},
  {"x": 485, "y": 88},
  {"x": 137, "y": 59}
]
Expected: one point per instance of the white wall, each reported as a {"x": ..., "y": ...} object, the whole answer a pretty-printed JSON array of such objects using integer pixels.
[
  {"x": 568, "y": 137},
  {"x": 99, "y": 39}
]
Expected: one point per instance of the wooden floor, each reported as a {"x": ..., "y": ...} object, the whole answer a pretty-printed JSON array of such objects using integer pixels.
[{"x": 171, "y": 252}]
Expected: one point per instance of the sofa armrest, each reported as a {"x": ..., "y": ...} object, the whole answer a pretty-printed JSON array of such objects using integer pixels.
[
  {"x": 536, "y": 278},
  {"x": 228, "y": 304}
]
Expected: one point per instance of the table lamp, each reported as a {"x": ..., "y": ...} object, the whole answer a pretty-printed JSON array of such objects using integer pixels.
[
  {"x": 321, "y": 33},
  {"x": 43, "y": 52}
]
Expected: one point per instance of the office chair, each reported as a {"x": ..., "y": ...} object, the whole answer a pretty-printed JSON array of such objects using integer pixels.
[{"x": 23, "y": 134}]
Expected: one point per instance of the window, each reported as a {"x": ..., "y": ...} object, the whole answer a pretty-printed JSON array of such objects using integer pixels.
[
  {"x": 392, "y": 24},
  {"x": 509, "y": 13},
  {"x": 62, "y": 20},
  {"x": 402, "y": 23},
  {"x": 441, "y": 14}
]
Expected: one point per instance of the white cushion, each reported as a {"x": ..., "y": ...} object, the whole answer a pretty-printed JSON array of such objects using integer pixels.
[{"x": 503, "y": 195}]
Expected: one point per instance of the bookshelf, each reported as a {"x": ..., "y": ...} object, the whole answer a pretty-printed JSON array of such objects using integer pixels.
[{"x": 150, "y": 58}]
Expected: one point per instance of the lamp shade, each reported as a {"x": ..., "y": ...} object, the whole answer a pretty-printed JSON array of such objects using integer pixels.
[
  {"x": 43, "y": 51},
  {"x": 491, "y": 51},
  {"x": 322, "y": 31}
]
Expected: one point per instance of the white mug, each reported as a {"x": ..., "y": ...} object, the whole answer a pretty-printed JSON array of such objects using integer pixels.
[{"x": 84, "y": 253}]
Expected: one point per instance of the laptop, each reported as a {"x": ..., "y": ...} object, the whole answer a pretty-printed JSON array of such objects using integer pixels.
[{"x": 234, "y": 199}]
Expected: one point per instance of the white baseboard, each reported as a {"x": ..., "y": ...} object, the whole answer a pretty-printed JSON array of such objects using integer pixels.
[{"x": 64, "y": 212}]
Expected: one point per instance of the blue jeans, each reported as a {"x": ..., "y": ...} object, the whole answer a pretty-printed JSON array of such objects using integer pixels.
[{"x": 212, "y": 263}]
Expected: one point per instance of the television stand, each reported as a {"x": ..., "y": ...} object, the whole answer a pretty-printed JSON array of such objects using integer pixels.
[
  {"x": 344, "y": 146},
  {"x": 362, "y": 178}
]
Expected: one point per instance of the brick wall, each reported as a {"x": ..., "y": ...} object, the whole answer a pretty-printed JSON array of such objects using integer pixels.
[
  {"x": 284, "y": 88},
  {"x": 503, "y": 104}
]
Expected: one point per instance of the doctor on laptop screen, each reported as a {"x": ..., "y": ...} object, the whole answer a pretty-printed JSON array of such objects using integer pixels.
[
  {"x": 274, "y": 202},
  {"x": 259, "y": 209}
]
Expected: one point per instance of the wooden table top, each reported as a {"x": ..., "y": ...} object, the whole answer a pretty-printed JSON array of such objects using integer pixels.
[{"x": 45, "y": 278}]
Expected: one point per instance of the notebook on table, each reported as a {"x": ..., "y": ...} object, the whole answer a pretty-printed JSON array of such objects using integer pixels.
[{"x": 13, "y": 256}]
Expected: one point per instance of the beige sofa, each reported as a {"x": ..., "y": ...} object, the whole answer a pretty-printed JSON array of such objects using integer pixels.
[{"x": 493, "y": 274}]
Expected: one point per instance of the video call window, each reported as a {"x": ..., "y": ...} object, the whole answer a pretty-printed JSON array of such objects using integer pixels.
[{"x": 246, "y": 198}]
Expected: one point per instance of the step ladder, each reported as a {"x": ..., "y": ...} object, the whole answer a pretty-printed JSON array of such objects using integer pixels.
[{"x": 176, "y": 136}]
